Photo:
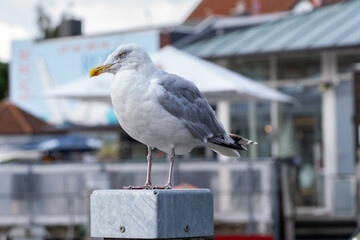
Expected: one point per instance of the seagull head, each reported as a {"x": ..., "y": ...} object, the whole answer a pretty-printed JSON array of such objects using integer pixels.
[{"x": 126, "y": 56}]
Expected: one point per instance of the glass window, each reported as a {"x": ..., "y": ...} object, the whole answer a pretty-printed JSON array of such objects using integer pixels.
[
  {"x": 240, "y": 114},
  {"x": 255, "y": 69},
  {"x": 298, "y": 67},
  {"x": 300, "y": 138},
  {"x": 346, "y": 62}
]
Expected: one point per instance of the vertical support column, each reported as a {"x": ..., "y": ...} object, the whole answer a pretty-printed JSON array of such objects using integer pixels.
[
  {"x": 287, "y": 204},
  {"x": 274, "y": 110},
  {"x": 223, "y": 113},
  {"x": 252, "y": 121},
  {"x": 328, "y": 113},
  {"x": 274, "y": 119},
  {"x": 266, "y": 200},
  {"x": 250, "y": 209},
  {"x": 223, "y": 110}
]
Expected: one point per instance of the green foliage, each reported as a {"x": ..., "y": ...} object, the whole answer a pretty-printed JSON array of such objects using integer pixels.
[
  {"x": 46, "y": 28},
  {"x": 4, "y": 80}
]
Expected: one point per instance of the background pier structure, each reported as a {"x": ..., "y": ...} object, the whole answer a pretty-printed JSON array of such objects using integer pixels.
[{"x": 152, "y": 214}]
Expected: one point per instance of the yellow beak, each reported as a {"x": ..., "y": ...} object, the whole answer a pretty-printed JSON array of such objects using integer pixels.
[{"x": 96, "y": 71}]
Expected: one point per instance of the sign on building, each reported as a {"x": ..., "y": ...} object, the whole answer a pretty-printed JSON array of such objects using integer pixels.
[{"x": 40, "y": 66}]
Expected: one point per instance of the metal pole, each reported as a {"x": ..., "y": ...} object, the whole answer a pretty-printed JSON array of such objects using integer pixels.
[
  {"x": 275, "y": 197},
  {"x": 250, "y": 227}
]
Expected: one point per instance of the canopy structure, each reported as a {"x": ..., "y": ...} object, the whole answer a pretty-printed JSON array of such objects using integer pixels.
[
  {"x": 93, "y": 89},
  {"x": 70, "y": 143},
  {"x": 216, "y": 82},
  {"x": 9, "y": 154}
]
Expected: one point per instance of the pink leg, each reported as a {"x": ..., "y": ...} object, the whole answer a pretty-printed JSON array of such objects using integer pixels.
[
  {"x": 147, "y": 184},
  {"x": 168, "y": 184},
  {"x": 149, "y": 165}
]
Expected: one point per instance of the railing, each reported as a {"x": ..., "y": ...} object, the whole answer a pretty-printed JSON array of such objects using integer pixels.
[{"x": 58, "y": 194}]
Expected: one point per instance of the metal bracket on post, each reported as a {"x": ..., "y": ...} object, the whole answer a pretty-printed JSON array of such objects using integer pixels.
[{"x": 152, "y": 214}]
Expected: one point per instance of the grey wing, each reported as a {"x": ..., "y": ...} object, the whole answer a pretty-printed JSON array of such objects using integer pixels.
[{"x": 184, "y": 100}]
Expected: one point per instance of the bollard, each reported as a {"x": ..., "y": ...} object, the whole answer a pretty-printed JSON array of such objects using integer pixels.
[{"x": 152, "y": 214}]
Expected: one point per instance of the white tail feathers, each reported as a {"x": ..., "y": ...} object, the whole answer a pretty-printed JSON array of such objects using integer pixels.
[
  {"x": 223, "y": 150},
  {"x": 230, "y": 151}
]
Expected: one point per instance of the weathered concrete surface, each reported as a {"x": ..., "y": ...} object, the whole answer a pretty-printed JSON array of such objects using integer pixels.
[{"x": 151, "y": 214}]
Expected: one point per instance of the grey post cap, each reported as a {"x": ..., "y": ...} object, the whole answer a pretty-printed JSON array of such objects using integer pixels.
[{"x": 151, "y": 214}]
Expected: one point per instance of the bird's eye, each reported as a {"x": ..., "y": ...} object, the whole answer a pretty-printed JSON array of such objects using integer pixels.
[{"x": 122, "y": 54}]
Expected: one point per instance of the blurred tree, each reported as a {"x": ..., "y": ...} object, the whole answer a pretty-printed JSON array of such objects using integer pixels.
[
  {"x": 4, "y": 83},
  {"x": 47, "y": 30}
]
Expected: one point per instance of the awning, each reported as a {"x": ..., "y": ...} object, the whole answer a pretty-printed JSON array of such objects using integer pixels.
[{"x": 216, "y": 82}]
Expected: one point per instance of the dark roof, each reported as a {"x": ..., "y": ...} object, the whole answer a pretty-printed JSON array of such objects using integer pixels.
[
  {"x": 229, "y": 7},
  {"x": 210, "y": 26},
  {"x": 14, "y": 120},
  {"x": 333, "y": 26}
]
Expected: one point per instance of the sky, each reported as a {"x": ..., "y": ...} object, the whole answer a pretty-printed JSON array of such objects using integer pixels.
[{"x": 18, "y": 17}]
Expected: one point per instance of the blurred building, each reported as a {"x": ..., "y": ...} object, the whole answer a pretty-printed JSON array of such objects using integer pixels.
[
  {"x": 18, "y": 129},
  {"x": 16, "y": 121},
  {"x": 25, "y": 138},
  {"x": 309, "y": 56}
]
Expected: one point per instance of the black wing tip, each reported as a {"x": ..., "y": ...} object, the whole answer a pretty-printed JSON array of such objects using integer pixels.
[
  {"x": 241, "y": 140},
  {"x": 222, "y": 142}
]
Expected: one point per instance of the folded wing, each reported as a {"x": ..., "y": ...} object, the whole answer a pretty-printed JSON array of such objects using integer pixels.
[{"x": 183, "y": 99}]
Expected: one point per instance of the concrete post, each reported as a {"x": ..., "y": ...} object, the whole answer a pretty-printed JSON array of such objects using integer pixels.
[{"x": 152, "y": 214}]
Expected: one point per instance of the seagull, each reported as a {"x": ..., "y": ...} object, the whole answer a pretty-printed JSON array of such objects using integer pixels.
[{"x": 163, "y": 110}]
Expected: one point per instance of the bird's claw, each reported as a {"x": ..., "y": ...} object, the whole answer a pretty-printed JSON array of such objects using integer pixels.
[
  {"x": 166, "y": 186},
  {"x": 146, "y": 186}
]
